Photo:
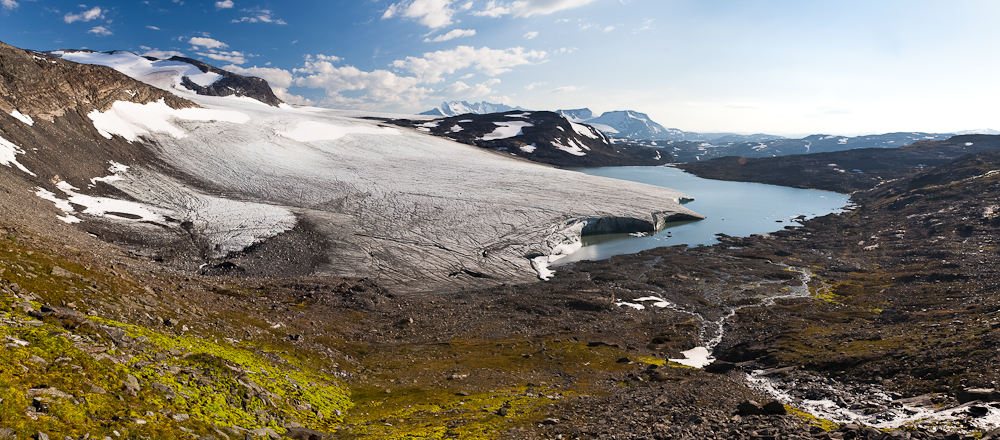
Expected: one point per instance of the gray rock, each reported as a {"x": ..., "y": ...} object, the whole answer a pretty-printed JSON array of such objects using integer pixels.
[
  {"x": 131, "y": 385},
  {"x": 42, "y": 436}
]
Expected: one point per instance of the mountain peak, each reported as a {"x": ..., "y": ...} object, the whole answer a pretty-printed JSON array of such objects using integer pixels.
[{"x": 455, "y": 108}]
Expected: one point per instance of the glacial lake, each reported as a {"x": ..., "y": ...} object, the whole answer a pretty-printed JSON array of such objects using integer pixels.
[{"x": 738, "y": 209}]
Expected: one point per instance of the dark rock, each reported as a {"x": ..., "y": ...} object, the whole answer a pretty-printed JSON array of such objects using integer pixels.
[
  {"x": 775, "y": 407},
  {"x": 720, "y": 367},
  {"x": 306, "y": 434},
  {"x": 749, "y": 408}
]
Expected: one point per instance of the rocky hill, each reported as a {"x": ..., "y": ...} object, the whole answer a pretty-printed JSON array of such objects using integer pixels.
[
  {"x": 544, "y": 137},
  {"x": 192, "y": 75},
  {"x": 843, "y": 171}
]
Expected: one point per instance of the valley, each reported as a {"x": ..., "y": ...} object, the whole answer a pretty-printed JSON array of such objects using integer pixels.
[{"x": 185, "y": 261}]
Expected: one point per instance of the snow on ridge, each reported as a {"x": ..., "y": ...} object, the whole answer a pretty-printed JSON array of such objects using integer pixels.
[
  {"x": 571, "y": 149},
  {"x": 160, "y": 73},
  {"x": 583, "y": 130},
  {"x": 309, "y": 131},
  {"x": 506, "y": 130},
  {"x": 22, "y": 117},
  {"x": 8, "y": 155},
  {"x": 130, "y": 120}
]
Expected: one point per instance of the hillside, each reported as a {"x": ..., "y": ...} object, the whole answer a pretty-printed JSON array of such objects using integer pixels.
[
  {"x": 543, "y": 137},
  {"x": 843, "y": 171}
]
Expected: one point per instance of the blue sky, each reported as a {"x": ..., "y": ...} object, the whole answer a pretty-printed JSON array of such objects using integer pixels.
[{"x": 780, "y": 67}]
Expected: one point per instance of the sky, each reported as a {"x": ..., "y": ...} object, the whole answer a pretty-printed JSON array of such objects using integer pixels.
[{"x": 748, "y": 66}]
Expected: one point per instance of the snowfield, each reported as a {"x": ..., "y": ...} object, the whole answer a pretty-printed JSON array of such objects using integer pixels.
[{"x": 411, "y": 210}]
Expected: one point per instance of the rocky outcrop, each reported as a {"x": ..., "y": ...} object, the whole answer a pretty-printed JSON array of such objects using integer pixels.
[
  {"x": 44, "y": 87},
  {"x": 230, "y": 84}
]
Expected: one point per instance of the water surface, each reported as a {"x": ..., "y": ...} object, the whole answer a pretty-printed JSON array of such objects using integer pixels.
[{"x": 733, "y": 208}]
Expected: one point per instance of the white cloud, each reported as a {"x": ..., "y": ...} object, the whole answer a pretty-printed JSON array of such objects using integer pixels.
[
  {"x": 493, "y": 10},
  {"x": 380, "y": 88},
  {"x": 533, "y": 85},
  {"x": 466, "y": 6},
  {"x": 225, "y": 4},
  {"x": 161, "y": 54},
  {"x": 207, "y": 43},
  {"x": 431, "y": 13},
  {"x": 257, "y": 15},
  {"x": 279, "y": 80},
  {"x": 466, "y": 90},
  {"x": 492, "y": 62},
  {"x": 321, "y": 57},
  {"x": 531, "y": 35},
  {"x": 527, "y": 8},
  {"x": 647, "y": 24},
  {"x": 100, "y": 31},
  {"x": 88, "y": 15},
  {"x": 609, "y": 29},
  {"x": 152, "y": 27},
  {"x": 565, "y": 89},
  {"x": 451, "y": 35},
  {"x": 232, "y": 57},
  {"x": 8, "y": 4}
]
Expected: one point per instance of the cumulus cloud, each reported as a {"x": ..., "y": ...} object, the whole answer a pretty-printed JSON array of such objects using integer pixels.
[
  {"x": 378, "y": 88},
  {"x": 258, "y": 15},
  {"x": 8, "y": 4},
  {"x": 207, "y": 43},
  {"x": 533, "y": 85},
  {"x": 527, "y": 8},
  {"x": 451, "y": 35},
  {"x": 160, "y": 54},
  {"x": 531, "y": 35},
  {"x": 609, "y": 29},
  {"x": 279, "y": 80},
  {"x": 431, "y": 13},
  {"x": 232, "y": 57},
  {"x": 480, "y": 89},
  {"x": 100, "y": 31},
  {"x": 225, "y": 4},
  {"x": 88, "y": 15},
  {"x": 432, "y": 65}
]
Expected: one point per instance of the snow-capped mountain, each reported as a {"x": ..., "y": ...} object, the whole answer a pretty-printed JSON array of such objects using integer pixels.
[
  {"x": 628, "y": 124},
  {"x": 177, "y": 73},
  {"x": 545, "y": 137},
  {"x": 577, "y": 115},
  {"x": 455, "y": 108}
]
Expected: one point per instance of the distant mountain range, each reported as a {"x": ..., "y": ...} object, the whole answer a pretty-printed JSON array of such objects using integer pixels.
[
  {"x": 629, "y": 127},
  {"x": 455, "y": 108}
]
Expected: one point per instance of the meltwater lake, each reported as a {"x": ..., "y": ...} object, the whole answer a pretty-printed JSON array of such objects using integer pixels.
[{"x": 733, "y": 208}]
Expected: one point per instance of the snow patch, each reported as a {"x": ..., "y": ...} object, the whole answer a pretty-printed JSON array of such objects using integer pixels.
[
  {"x": 528, "y": 148},
  {"x": 506, "y": 130},
  {"x": 572, "y": 149},
  {"x": 22, "y": 117},
  {"x": 310, "y": 131},
  {"x": 8, "y": 155},
  {"x": 584, "y": 130},
  {"x": 456, "y": 128},
  {"x": 130, "y": 120},
  {"x": 116, "y": 170},
  {"x": 698, "y": 357}
]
